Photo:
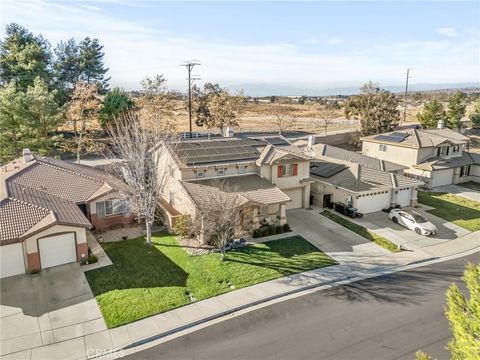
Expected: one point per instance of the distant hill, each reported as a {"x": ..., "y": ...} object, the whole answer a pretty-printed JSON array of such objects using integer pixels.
[{"x": 280, "y": 90}]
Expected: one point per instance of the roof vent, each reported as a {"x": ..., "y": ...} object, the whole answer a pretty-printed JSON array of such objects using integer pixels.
[
  {"x": 311, "y": 141},
  {"x": 440, "y": 124},
  {"x": 27, "y": 155}
]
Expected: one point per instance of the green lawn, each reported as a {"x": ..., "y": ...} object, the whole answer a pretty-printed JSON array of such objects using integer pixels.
[
  {"x": 456, "y": 209},
  {"x": 471, "y": 185},
  {"x": 144, "y": 281},
  {"x": 360, "y": 230}
]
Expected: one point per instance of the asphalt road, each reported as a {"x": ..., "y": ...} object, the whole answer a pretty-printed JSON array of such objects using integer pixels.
[{"x": 389, "y": 317}]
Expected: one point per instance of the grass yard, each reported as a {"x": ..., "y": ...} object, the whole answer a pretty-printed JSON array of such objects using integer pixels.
[
  {"x": 462, "y": 212},
  {"x": 144, "y": 281},
  {"x": 360, "y": 230}
]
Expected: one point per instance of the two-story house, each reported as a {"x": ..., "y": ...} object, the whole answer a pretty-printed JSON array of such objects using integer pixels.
[
  {"x": 436, "y": 156},
  {"x": 269, "y": 179}
]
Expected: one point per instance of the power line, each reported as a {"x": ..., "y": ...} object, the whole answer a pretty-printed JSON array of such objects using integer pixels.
[
  {"x": 190, "y": 65},
  {"x": 405, "y": 97}
]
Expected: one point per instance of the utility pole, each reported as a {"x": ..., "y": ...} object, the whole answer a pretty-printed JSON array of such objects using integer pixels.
[
  {"x": 405, "y": 98},
  {"x": 190, "y": 65}
]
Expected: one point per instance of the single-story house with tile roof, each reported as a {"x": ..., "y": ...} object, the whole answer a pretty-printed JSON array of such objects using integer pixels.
[
  {"x": 47, "y": 205},
  {"x": 367, "y": 189}
]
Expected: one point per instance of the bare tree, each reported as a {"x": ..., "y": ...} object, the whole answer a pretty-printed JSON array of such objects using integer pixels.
[
  {"x": 141, "y": 147},
  {"x": 327, "y": 118},
  {"x": 82, "y": 118},
  {"x": 282, "y": 118},
  {"x": 220, "y": 215}
]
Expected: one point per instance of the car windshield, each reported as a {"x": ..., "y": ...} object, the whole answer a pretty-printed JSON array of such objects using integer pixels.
[{"x": 418, "y": 218}]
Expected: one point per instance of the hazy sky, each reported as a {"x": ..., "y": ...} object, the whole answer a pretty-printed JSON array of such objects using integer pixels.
[{"x": 302, "y": 44}]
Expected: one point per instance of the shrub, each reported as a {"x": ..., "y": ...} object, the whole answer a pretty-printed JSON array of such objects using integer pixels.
[
  {"x": 270, "y": 230},
  {"x": 182, "y": 226},
  {"x": 92, "y": 259},
  {"x": 286, "y": 228}
]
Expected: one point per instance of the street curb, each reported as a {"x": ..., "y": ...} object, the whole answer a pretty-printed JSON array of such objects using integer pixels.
[{"x": 375, "y": 272}]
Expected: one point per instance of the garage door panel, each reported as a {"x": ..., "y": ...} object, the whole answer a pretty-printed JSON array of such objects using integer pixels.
[
  {"x": 57, "y": 250},
  {"x": 373, "y": 203},
  {"x": 403, "y": 197},
  {"x": 442, "y": 177},
  {"x": 12, "y": 260},
  {"x": 297, "y": 198}
]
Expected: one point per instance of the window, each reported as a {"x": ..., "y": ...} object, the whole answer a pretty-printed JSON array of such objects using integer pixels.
[
  {"x": 172, "y": 171},
  {"x": 172, "y": 198},
  {"x": 220, "y": 171},
  {"x": 242, "y": 169},
  {"x": 383, "y": 147},
  {"x": 115, "y": 207},
  {"x": 263, "y": 210},
  {"x": 200, "y": 174},
  {"x": 456, "y": 148},
  {"x": 287, "y": 170},
  {"x": 465, "y": 171}
]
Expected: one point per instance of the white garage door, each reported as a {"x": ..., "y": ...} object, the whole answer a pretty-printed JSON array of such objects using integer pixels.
[
  {"x": 403, "y": 197},
  {"x": 296, "y": 196},
  {"x": 57, "y": 250},
  {"x": 11, "y": 260},
  {"x": 373, "y": 203},
  {"x": 442, "y": 177}
]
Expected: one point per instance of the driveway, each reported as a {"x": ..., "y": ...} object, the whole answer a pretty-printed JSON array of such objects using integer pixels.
[
  {"x": 51, "y": 306},
  {"x": 459, "y": 191},
  {"x": 334, "y": 239},
  {"x": 380, "y": 223}
]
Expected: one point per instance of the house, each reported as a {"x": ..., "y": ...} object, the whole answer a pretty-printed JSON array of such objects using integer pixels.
[
  {"x": 435, "y": 156},
  {"x": 268, "y": 178},
  {"x": 47, "y": 205},
  {"x": 363, "y": 182}
]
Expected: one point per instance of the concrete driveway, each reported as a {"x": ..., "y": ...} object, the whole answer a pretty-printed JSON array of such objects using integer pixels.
[
  {"x": 459, "y": 191},
  {"x": 51, "y": 306},
  {"x": 334, "y": 239},
  {"x": 380, "y": 223}
]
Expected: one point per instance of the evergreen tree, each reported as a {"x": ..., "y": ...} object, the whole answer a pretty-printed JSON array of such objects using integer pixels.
[
  {"x": 12, "y": 122},
  {"x": 475, "y": 115},
  {"x": 376, "y": 108},
  {"x": 23, "y": 57},
  {"x": 464, "y": 316},
  {"x": 67, "y": 67},
  {"x": 115, "y": 103},
  {"x": 456, "y": 110},
  {"x": 91, "y": 64},
  {"x": 431, "y": 114},
  {"x": 43, "y": 113}
]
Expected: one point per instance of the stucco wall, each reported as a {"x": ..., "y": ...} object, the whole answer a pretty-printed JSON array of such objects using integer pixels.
[{"x": 397, "y": 154}]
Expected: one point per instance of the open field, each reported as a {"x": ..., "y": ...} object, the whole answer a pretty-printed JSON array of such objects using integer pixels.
[{"x": 144, "y": 280}]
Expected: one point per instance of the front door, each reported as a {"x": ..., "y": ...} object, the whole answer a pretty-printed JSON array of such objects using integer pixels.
[{"x": 327, "y": 200}]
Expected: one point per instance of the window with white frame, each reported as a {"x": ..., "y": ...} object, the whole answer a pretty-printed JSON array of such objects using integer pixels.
[
  {"x": 456, "y": 148},
  {"x": 383, "y": 147},
  {"x": 263, "y": 210},
  {"x": 115, "y": 207},
  {"x": 172, "y": 198},
  {"x": 465, "y": 171},
  {"x": 220, "y": 171},
  {"x": 287, "y": 170},
  {"x": 200, "y": 173}
]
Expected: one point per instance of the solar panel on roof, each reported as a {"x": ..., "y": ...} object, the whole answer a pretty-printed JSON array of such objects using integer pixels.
[
  {"x": 389, "y": 138},
  {"x": 326, "y": 170}
]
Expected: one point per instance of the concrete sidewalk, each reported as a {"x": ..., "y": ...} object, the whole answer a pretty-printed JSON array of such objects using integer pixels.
[{"x": 203, "y": 312}]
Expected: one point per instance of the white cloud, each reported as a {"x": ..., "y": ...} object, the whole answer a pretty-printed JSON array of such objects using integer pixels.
[
  {"x": 134, "y": 50},
  {"x": 447, "y": 31}
]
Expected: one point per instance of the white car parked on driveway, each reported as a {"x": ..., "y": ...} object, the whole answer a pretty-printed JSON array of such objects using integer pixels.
[{"x": 413, "y": 221}]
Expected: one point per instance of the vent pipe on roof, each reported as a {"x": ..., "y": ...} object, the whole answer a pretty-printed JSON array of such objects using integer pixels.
[
  {"x": 27, "y": 155},
  {"x": 440, "y": 124},
  {"x": 311, "y": 141}
]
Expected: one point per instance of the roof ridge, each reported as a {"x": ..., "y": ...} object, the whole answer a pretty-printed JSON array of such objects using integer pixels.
[
  {"x": 28, "y": 204},
  {"x": 68, "y": 170}
]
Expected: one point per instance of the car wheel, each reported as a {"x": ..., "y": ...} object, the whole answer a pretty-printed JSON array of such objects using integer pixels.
[
  {"x": 418, "y": 231},
  {"x": 395, "y": 220}
]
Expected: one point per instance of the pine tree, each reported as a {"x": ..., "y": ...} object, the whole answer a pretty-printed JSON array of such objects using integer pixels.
[
  {"x": 431, "y": 114},
  {"x": 23, "y": 57},
  {"x": 464, "y": 316},
  {"x": 67, "y": 67},
  {"x": 116, "y": 102},
  {"x": 456, "y": 110},
  {"x": 91, "y": 64}
]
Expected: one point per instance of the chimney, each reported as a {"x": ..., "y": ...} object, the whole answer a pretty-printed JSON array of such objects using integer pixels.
[
  {"x": 311, "y": 141},
  {"x": 440, "y": 124},
  {"x": 228, "y": 132},
  {"x": 356, "y": 170},
  {"x": 27, "y": 155}
]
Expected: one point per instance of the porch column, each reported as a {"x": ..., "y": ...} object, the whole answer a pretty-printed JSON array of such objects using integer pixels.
[
  {"x": 255, "y": 219},
  {"x": 283, "y": 214}
]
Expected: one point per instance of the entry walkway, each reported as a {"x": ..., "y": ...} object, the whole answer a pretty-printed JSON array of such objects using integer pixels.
[{"x": 334, "y": 239}]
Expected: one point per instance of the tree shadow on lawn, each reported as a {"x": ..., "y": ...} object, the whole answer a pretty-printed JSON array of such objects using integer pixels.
[
  {"x": 135, "y": 265},
  {"x": 284, "y": 258}
]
